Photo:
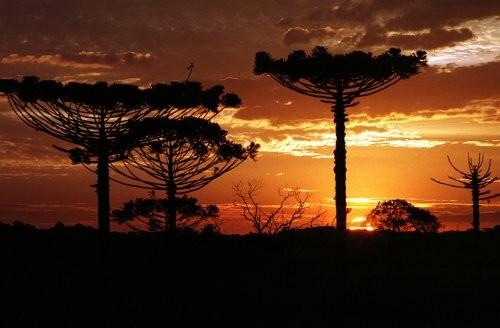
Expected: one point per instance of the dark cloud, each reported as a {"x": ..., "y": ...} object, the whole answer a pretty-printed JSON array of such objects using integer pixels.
[
  {"x": 422, "y": 14},
  {"x": 433, "y": 89},
  {"x": 403, "y": 15},
  {"x": 436, "y": 38},
  {"x": 300, "y": 35},
  {"x": 81, "y": 60},
  {"x": 438, "y": 22},
  {"x": 90, "y": 57},
  {"x": 219, "y": 36}
]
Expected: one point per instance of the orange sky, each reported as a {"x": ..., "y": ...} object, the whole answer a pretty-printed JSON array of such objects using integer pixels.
[{"x": 397, "y": 139}]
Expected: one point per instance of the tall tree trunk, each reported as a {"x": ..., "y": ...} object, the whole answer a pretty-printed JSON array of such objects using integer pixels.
[
  {"x": 171, "y": 208},
  {"x": 103, "y": 192},
  {"x": 475, "y": 208},
  {"x": 340, "y": 169},
  {"x": 171, "y": 224}
]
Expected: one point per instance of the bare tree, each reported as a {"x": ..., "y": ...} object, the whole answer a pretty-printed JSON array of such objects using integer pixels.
[
  {"x": 289, "y": 213},
  {"x": 339, "y": 80},
  {"x": 476, "y": 179}
]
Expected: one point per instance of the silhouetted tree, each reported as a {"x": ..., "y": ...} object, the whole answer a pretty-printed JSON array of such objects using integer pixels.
[
  {"x": 95, "y": 116},
  {"x": 151, "y": 214},
  {"x": 475, "y": 179},
  {"x": 179, "y": 157},
  {"x": 339, "y": 80},
  {"x": 283, "y": 217},
  {"x": 400, "y": 215}
]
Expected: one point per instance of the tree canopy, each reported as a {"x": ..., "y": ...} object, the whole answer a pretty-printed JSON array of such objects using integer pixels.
[
  {"x": 400, "y": 215},
  {"x": 328, "y": 76},
  {"x": 178, "y": 156},
  {"x": 159, "y": 96},
  {"x": 149, "y": 214},
  {"x": 188, "y": 152},
  {"x": 83, "y": 114}
]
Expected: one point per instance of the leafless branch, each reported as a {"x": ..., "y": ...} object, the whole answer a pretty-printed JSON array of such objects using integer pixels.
[{"x": 290, "y": 213}]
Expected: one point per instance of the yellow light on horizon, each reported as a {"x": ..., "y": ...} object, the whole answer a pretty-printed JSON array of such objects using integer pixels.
[
  {"x": 358, "y": 219},
  {"x": 360, "y": 223}
]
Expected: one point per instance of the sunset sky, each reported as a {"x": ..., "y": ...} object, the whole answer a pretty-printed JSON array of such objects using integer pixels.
[{"x": 397, "y": 139}]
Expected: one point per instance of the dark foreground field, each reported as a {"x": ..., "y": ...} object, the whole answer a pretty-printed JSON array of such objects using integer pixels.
[{"x": 58, "y": 278}]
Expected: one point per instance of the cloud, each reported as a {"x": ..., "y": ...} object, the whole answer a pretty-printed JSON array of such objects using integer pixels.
[
  {"x": 433, "y": 89},
  {"x": 483, "y": 143},
  {"x": 428, "y": 24},
  {"x": 439, "y": 13},
  {"x": 300, "y": 35},
  {"x": 81, "y": 60},
  {"x": 403, "y": 15},
  {"x": 219, "y": 42},
  {"x": 473, "y": 124},
  {"x": 435, "y": 38}
]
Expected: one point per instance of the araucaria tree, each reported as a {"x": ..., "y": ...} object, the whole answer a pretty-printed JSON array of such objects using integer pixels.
[
  {"x": 179, "y": 156},
  {"x": 339, "y": 80},
  {"x": 94, "y": 117},
  {"x": 476, "y": 178},
  {"x": 150, "y": 214}
]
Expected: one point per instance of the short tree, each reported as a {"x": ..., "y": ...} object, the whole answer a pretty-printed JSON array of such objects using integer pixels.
[
  {"x": 179, "y": 157},
  {"x": 288, "y": 214},
  {"x": 400, "y": 215},
  {"x": 149, "y": 214},
  {"x": 476, "y": 179},
  {"x": 423, "y": 220},
  {"x": 340, "y": 80}
]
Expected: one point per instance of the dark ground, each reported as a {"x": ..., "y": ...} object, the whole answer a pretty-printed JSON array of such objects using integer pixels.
[{"x": 58, "y": 278}]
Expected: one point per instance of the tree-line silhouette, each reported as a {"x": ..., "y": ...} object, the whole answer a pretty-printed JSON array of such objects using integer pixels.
[
  {"x": 162, "y": 137},
  {"x": 162, "y": 131}
]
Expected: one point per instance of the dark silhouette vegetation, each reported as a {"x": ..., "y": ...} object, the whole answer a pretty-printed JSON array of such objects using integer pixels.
[
  {"x": 151, "y": 214},
  {"x": 54, "y": 278},
  {"x": 399, "y": 215},
  {"x": 286, "y": 274},
  {"x": 291, "y": 212},
  {"x": 96, "y": 117},
  {"x": 178, "y": 157},
  {"x": 475, "y": 178},
  {"x": 339, "y": 80}
]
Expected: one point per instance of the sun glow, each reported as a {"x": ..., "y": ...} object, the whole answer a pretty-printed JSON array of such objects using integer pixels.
[{"x": 360, "y": 223}]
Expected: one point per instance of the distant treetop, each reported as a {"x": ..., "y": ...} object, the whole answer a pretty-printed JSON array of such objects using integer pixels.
[
  {"x": 187, "y": 94},
  {"x": 359, "y": 72},
  {"x": 322, "y": 65}
]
